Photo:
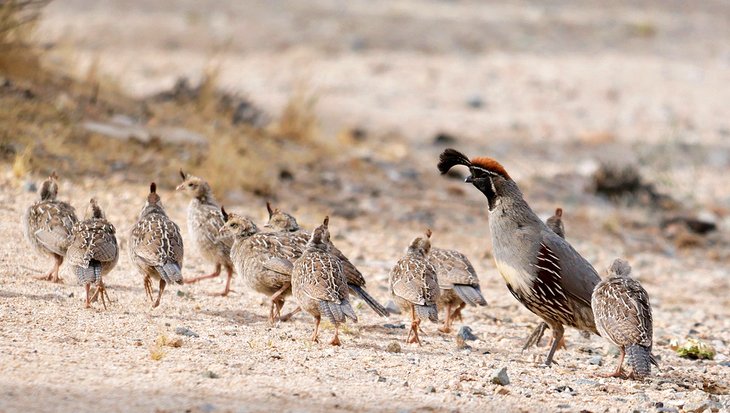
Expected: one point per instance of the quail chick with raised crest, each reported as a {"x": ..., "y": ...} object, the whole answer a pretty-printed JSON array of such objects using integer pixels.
[
  {"x": 263, "y": 259},
  {"x": 47, "y": 226},
  {"x": 541, "y": 270},
  {"x": 204, "y": 223},
  {"x": 458, "y": 282},
  {"x": 319, "y": 284},
  {"x": 284, "y": 222},
  {"x": 156, "y": 246},
  {"x": 414, "y": 285},
  {"x": 93, "y": 252},
  {"x": 622, "y": 312}
]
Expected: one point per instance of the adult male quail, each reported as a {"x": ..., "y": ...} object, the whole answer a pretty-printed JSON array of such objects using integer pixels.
[
  {"x": 156, "y": 246},
  {"x": 458, "y": 283},
  {"x": 319, "y": 284},
  {"x": 414, "y": 285},
  {"x": 47, "y": 226},
  {"x": 204, "y": 223},
  {"x": 263, "y": 259},
  {"x": 93, "y": 252},
  {"x": 284, "y": 222},
  {"x": 541, "y": 270},
  {"x": 623, "y": 316}
]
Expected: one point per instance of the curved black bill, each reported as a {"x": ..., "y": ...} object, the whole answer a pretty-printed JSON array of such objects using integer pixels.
[{"x": 469, "y": 179}]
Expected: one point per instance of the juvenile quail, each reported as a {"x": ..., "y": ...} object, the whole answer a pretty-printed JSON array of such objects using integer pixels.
[
  {"x": 284, "y": 222},
  {"x": 156, "y": 246},
  {"x": 47, "y": 226},
  {"x": 204, "y": 223},
  {"x": 93, "y": 252},
  {"x": 623, "y": 316},
  {"x": 555, "y": 223},
  {"x": 263, "y": 259},
  {"x": 414, "y": 285},
  {"x": 319, "y": 283},
  {"x": 541, "y": 270},
  {"x": 458, "y": 282}
]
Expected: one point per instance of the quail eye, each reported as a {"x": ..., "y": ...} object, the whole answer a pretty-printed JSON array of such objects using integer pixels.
[{"x": 190, "y": 184}]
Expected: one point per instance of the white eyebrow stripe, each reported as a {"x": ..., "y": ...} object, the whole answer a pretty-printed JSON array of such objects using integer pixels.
[{"x": 484, "y": 170}]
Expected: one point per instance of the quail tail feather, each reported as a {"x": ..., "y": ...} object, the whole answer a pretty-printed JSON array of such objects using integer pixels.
[
  {"x": 337, "y": 312},
  {"x": 640, "y": 359},
  {"x": 171, "y": 273},
  {"x": 470, "y": 294},
  {"x": 428, "y": 311},
  {"x": 90, "y": 274},
  {"x": 376, "y": 306}
]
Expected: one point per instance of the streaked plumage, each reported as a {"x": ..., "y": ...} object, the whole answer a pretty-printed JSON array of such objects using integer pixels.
[
  {"x": 622, "y": 312},
  {"x": 319, "y": 284},
  {"x": 47, "y": 226},
  {"x": 204, "y": 223},
  {"x": 414, "y": 285},
  {"x": 156, "y": 246},
  {"x": 93, "y": 252},
  {"x": 284, "y": 222},
  {"x": 458, "y": 282},
  {"x": 263, "y": 259}
]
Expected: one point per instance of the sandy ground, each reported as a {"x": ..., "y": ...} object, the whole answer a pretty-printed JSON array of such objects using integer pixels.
[{"x": 562, "y": 88}]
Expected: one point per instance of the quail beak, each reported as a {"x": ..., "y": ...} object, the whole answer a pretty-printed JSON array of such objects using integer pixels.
[
  {"x": 469, "y": 179},
  {"x": 180, "y": 187},
  {"x": 267, "y": 225}
]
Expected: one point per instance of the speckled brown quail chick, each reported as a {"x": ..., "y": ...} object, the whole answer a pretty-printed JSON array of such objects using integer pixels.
[
  {"x": 458, "y": 282},
  {"x": 204, "y": 223},
  {"x": 622, "y": 312},
  {"x": 284, "y": 222},
  {"x": 319, "y": 283},
  {"x": 555, "y": 223},
  {"x": 263, "y": 259},
  {"x": 156, "y": 246},
  {"x": 93, "y": 251},
  {"x": 47, "y": 226},
  {"x": 414, "y": 285}
]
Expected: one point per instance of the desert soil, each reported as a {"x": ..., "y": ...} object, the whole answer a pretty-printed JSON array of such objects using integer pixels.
[{"x": 562, "y": 88}]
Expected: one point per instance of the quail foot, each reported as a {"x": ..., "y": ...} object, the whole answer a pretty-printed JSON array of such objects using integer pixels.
[
  {"x": 319, "y": 284},
  {"x": 204, "y": 223},
  {"x": 414, "y": 286},
  {"x": 622, "y": 312},
  {"x": 541, "y": 270},
  {"x": 283, "y": 222},
  {"x": 47, "y": 226},
  {"x": 156, "y": 246},
  {"x": 93, "y": 252}
]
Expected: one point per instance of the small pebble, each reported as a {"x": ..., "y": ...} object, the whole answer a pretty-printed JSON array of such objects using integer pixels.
[
  {"x": 392, "y": 307},
  {"x": 430, "y": 389},
  {"x": 393, "y": 347},
  {"x": 596, "y": 360},
  {"x": 500, "y": 377},
  {"x": 184, "y": 331},
  {"x": 211, "y": 375},
  {"x": 394, "y": 325},
  {"x": 30, "y": 186},
  {"x": 466, "y": 333}
]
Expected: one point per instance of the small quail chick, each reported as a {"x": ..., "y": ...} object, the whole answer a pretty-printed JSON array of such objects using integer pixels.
[
  {"x": 263, "y": 259},
  {"x": 319, "y": 283},
  {"x": 204, "y": 223},
  {"x": 47, "y": 226},
  {"x": 93, "y": 251},
  {"x": 284, "y": 222},
  {"x": 458, "y": 282},
  {"x": 156, "y": 246},
  {"x": 414, "y": 285},
  {"x": 555, "y": 223},
  {"x": 623, "y": 316}
]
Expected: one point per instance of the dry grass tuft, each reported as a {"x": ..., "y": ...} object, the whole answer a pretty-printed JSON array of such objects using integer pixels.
[
  {"x": 21, "y": 163},
  {"x": 299, "y": 121}
]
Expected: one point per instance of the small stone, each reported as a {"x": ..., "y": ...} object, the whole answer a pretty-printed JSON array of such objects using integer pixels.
[
  {"x": 211, "y": 375},
  {"x": 500, "y": 377},
  {"x": 430, "y": 389},
  {"x": 394, "y": 325},
  {"x": 393, "y": 347},
  {"x": 30, "y": 186},
  {"x": 596, "y": 360},
  {"x": 184, "y": 331},
  {"x": 392, "y": 307},
  {"x": 667, "y": 410},
  {"x": 475, "y": 102},
  {"x": 466, "y": 333},
  {"x": 381, "y": 379},
  {"x": 175, "y": 342},
  {"x": 697, "y": 406},
  {"x": 503, "y": 391}
]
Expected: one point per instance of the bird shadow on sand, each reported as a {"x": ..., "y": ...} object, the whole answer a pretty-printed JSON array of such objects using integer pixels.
[
  {"x": 237, "y": 316},
  {"x": 44, "y": 297}
]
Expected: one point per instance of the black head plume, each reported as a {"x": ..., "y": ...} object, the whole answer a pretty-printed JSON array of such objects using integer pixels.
[
  {"x": 270, "y": 209},
  {"x": 153, "y": 188},
  {"x": 428, "y": 233},
  {"x": 225, "y": 214},
  {"x": 326, "y": 221},
  {"x": 182, "y": 175},
  {"x": 450, "y": 158}
]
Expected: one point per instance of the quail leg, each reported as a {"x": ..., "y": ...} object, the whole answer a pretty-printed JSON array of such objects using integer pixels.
[
  {"x": 414, "y": 328},
  {"x": 286, "y": 317},
  {"x": 558, "y": 331},
  {"x": 336, "y": 339},
  {"x": 214, "y": 274},
  {"x": 457, "y": 312},
  {"x": 57, "y": 269},
  {"x": 446, "y": 328},
  {"x": 316, "y": 329},
  {"x": 159, "y": 294},
  {"x": 88, "y": 300},
  {"x": 619, "y": 370},
  {"x": 148, "y": 287},
  {"x": 535, "y": 336},
  {"x": 101, "y": 292},
  {"x": 229, "y": 275}
]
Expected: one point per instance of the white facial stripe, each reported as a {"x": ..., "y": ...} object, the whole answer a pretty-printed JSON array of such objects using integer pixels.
[{"x": 486, "y": 171}]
